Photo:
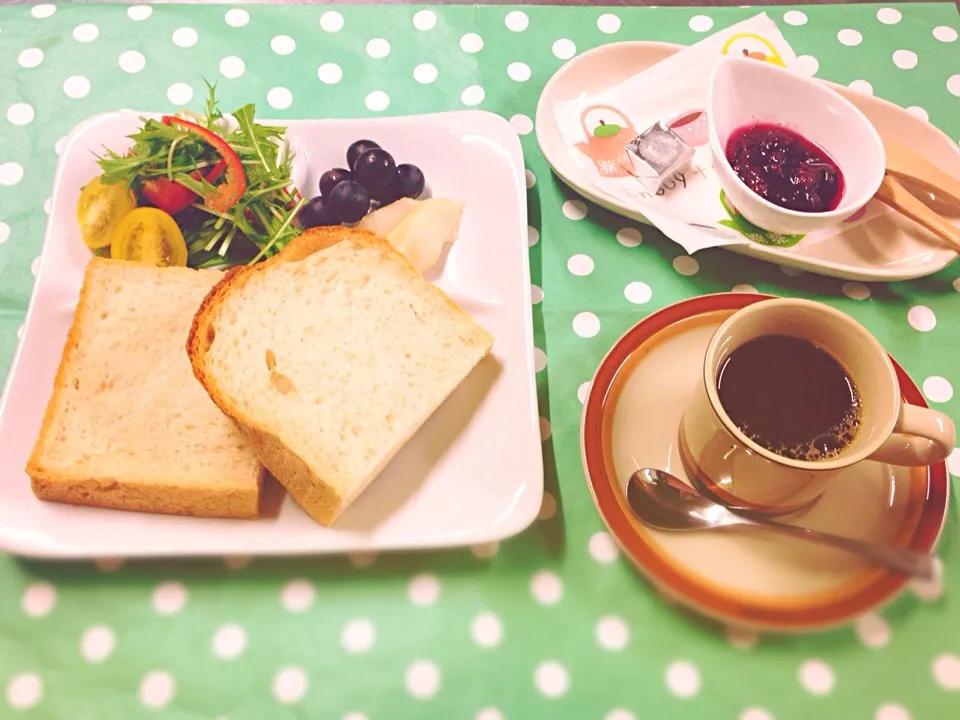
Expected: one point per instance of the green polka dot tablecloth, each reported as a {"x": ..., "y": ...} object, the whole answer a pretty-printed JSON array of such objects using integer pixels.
[{"x": 550, "y": 624}]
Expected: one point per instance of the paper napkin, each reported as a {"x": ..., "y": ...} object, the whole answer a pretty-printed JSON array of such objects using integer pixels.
[{"x": 689, "y": 207}]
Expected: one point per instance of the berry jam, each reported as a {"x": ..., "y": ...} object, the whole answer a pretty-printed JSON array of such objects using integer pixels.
[{"x": 785, "y": 168}]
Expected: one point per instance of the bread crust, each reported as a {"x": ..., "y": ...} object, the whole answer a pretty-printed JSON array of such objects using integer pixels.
[
  {"x": 35, "y": 468},
  {"x": 165, "y": 495},
  {"x": 322, "y": 502},
  {"x": 312, "y": 492}
]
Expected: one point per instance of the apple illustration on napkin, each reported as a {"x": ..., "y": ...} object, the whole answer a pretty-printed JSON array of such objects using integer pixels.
[{"x": 605, "y": 130}]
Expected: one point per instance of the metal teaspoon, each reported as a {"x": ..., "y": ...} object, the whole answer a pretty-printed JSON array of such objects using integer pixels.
[{"x": 665, "y": 502}]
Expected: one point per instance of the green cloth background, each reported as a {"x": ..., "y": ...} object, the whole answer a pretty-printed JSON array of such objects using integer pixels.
[{"x": 552, "y": 624}]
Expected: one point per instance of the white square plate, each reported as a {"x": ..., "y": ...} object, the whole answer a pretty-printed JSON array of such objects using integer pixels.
[{"x": 461, "y": 480}]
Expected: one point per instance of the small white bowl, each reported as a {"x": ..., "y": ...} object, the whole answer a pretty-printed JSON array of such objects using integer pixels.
[{"x": 744, "y": 91}]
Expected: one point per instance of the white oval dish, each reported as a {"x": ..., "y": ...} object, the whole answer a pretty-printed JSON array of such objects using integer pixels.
[
  {"x": 886, "y": 249},
  {"x": 745, "y": 92}
]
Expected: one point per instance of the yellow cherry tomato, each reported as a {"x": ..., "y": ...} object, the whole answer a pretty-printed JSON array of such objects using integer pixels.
[
  {"x": 150, "y": 236},
  {"x": 100, "y": 208}
]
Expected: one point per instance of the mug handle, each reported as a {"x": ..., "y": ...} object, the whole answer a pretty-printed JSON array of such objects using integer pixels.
[{"x": 921, "y": 437}]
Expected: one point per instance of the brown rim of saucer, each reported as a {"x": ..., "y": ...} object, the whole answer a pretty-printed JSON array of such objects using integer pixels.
[{"x": 926, "y": 508}]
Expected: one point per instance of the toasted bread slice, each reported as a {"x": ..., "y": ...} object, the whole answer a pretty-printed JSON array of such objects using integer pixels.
[
  {"x": 128, "y": 426},
  {"x": 330, "y": 356}
]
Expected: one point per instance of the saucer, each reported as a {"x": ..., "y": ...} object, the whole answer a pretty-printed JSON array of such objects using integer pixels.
[{"x": 747, "y": 577}]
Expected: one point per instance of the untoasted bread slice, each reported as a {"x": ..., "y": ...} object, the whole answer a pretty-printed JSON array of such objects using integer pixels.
[
  {"x": 330, "y": 356},
  {"x": 128, "y": 426}
]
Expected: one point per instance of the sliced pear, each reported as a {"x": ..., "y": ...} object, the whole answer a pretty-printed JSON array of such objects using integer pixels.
[
  {"x": 385, "y": 220},
  {"x": 420, "y": 237}
]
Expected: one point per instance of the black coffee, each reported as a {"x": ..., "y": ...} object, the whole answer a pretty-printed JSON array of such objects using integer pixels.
[{"x": 791, "y": 397}]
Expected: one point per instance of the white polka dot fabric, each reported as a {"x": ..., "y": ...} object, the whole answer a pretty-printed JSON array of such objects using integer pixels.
[{"x": 551, "y": 623}]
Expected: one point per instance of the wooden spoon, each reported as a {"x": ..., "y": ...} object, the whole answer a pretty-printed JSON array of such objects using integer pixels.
[
  {"x": 907, "y": 164},
  {"x": 895, "y": 195}
]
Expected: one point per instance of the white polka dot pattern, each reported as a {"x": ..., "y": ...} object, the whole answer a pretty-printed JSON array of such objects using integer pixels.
[
  {"x": 378, "y": 48},
  {"x": 169, "y": 597},
  {"x": 425, "y": 73},
  {"x": 586, "y": 324},
  {"x": 593, "y": 274},
  {"x": 602, "y": 548},
  {"x": 289, "y": 684},
  {"x": 329, "y": 73},
  {"x": 471, "y": 43},
  {"x": 551, "y": 679},
  {"x": 297, "y": 595},
  {"x": 905, "y": 59},
  {"x": 580, "y": 264},
  {"x": 157, "y": 689},
  {"x": 686, "y": 265},
  {"x": 331, "y": 21},
  {"x": 816, "y": 677},
  {"x": 921, "y": 318},
  {"x": 612, "y": 633},
  {"x": 888, "y": 16},
  {"x": 229, "y": 641},
  {"x": 755, "y": 713},
  {"x": 30, "y": 58},
  {"x": 97, "y": 643},
  {"x": 279, "y": 98},
  {"x": 377, "y": 101},
  {"x": 179, "y": 93},
  {"x": 425, "y": 20},
  {"x": 486, "y": 630},
  {"x": 185, "y": 37},
  {"x": 575, "y": 209},
  {"x": 546, "y": 588},
  {"x": 795, "y": 17},
  {"x": 237, "y": 17},
  {"x": 872, "y": 630},
  {"x": 86, "y": 32},
  {"x": 283, "y": 44},
  {"x": 232, "y": 67},
  {"x": 24, "y": 691},
  {"x": 608, "y": 23},
  {"x": 629, "y": 237},
  {"x": 891, "y": 711},
  {"x": 849, "y": 37},
  {"x": 472, "y": 95},
  {"x": 38, "y": 599},
  {"x": 358, "y": 636},
  {"x": 76, "y": 87},
  {"x": 517, "y": 21},
  {"x": 422, "y": 679},
  {"x": 683, "y": 678},
  {"x": 424, "y": 589},
  {"x": 564, "y": 48},
  {"x": 700, "y": 23}
]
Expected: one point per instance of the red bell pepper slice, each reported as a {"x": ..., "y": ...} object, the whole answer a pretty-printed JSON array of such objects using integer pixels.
[
  {"x": 224, "y": 195},
  {"x": 172, "y": 197}
]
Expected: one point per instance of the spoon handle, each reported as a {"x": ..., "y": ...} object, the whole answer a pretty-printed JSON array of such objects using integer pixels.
[
  {"x": 907, "y": 164},
  {"x": 902, "y": 560},
  {"x": 892, "y": 193}
]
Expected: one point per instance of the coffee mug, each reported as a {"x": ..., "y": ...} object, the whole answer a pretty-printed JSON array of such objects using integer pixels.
[{"x": 724, "y": 462}]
